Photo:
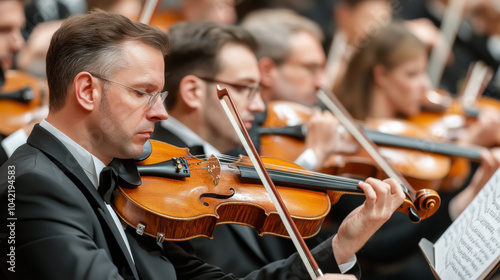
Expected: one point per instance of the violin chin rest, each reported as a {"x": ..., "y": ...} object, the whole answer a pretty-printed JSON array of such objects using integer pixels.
[{"x": 148, "y": 149}]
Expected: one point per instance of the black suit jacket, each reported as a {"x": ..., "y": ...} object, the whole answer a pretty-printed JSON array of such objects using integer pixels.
[
  {"x": 63, "y": 230},
  {"x": 238, "y": 249}
]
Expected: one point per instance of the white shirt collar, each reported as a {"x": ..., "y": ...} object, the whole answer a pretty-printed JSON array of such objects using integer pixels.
[
  {"x": 90, "y": 163},
  {"x": 187, "y": 135}
]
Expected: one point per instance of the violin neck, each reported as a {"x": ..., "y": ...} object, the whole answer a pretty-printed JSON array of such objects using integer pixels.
[
  {"x": 381, "y": 138},
  {"x": 471, "y": 153},
  {"x": 297, "y": 131},
  {"x": 24, "y": 95},
  {"x": 303, "y": 181}
]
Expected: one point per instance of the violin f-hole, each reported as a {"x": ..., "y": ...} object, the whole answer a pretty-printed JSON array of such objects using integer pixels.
[{"x": 216, "y": 196}]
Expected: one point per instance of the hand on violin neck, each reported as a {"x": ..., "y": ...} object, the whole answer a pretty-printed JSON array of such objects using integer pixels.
[
  {"x": 382, "y": 199},
  {"x": 322, "y": 130}
]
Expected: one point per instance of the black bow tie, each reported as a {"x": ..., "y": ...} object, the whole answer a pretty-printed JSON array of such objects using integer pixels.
[{"x": 122, "y": 172}]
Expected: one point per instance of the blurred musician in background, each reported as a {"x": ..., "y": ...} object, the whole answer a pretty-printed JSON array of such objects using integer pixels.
[
  {"x": 388, "y": 79},
  {"x": 291, "y": 66}
]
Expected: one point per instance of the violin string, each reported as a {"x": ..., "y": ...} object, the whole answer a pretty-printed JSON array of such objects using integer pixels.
[
  {"x": 293, "y": 172},
  {"x": 196, "y": 169},
  {"x": 326, "y": 178}
]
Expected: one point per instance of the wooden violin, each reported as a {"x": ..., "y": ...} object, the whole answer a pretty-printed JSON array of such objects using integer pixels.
[
  {"x": 426, "y": 164},
  {"x": 183, "y": 197},
  {"x": 23, "y": 100},
  {"x": 447, "y": 117}
]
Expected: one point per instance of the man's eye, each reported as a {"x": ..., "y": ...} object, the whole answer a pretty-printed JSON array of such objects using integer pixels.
[
  {"x": 140, "y": 93},
  {"x": 4, "y": 30}
]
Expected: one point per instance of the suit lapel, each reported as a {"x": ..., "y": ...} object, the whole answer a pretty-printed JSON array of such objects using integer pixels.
[{"x": 57, "y": 152}]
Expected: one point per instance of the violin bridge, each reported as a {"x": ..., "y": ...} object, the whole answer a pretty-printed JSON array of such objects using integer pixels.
[{"x": 214, "y": 169}]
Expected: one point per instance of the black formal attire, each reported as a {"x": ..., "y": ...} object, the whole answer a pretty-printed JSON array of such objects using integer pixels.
[
  {"x": 64, "y": 230},
  {"x": 238, "y": 249}
]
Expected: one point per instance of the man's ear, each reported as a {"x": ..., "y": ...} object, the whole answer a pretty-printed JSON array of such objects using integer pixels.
[
  {"x": 87, "y": 90},
  {"x": 268, "y": 71},
  {"x": 192, "y": 91}
]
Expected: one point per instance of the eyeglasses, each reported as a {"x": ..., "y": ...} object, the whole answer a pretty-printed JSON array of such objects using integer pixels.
[
  {"x": 152, "y": 96},
  {"x": 248, "y": 90}
]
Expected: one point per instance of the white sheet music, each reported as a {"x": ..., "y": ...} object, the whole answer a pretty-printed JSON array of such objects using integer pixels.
[{"x": 470, "y": 247}]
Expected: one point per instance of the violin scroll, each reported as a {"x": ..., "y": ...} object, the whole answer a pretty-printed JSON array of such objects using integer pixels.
[{"x": 427, "y": 202}]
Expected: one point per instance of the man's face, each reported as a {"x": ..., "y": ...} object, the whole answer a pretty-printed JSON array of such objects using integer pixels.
[
  {"x": 124, "y": 121},
  {"x": 239, "y": 66},
  {"x": 302, "y": 74},
  {"x": 11, "y": 40}
]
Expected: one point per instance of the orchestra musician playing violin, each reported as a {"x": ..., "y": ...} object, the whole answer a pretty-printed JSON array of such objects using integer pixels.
[
  {"x": 203, "y": 55},
  {"x": 291, "y": 66},
  {"x": 11, "y": 41},
  {"x": 387, "y": 79},
  {"x": 106, "y": 78},
  {"x": 357, "y": 19}
]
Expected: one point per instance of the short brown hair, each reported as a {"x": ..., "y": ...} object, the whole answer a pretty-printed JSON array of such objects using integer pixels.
[
  {"x": 195, "y": 51},
  {"x": 93, "y": 42}
]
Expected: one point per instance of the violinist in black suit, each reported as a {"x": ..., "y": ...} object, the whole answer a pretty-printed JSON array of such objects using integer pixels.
[
  {"x": 203, "y": 55},
  {"x": 106, "y": 78}
]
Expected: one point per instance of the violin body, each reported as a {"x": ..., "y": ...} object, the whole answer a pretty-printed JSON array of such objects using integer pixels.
[
  {"x": 187, "y": 207},
  {"x": 23, "y": 100},
  {"x": 445, "y": 118},
  {"x": 196, "y": 195},
  {"x": 422, "y": 169}
]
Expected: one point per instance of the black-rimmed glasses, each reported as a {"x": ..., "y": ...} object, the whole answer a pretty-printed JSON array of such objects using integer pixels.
[
  {"x": 250, "y": 93},
  {"x": 152, "y": 96}
]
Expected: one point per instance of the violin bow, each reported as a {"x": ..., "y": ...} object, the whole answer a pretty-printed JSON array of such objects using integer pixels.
[
  {"x": 148, "y": 10},
  {"x": 478, "y": 77},
  {"x": 449, "y": 28},
  {"x": 304, "y": 253},
  {"x": 334, "y": 59},
  {"x": 334, "y": 105}
]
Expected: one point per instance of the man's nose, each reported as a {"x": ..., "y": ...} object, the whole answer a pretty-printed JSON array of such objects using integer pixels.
[
  {"x": 158, "y": 112},
  {"x": 257, "y": 104},
  {"x": 17, "y": 41}
]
